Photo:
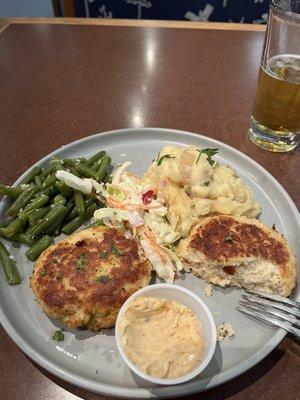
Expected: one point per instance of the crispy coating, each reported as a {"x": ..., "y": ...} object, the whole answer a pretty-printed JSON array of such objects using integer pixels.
[
  {"x": 84, "y": 279},
  {"x": 242, "y": 252},
  {"x": 225, "y": 237}
]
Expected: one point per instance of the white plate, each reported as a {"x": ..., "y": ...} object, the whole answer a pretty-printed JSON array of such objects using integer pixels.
[{"x": 91, "y": 360}]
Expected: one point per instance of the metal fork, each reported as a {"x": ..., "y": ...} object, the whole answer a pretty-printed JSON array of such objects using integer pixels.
[{"x": 273, "y": 309}]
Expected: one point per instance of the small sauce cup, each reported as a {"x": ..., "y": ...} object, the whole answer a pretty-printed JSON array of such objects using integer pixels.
[{"x": 190, "y": 300}]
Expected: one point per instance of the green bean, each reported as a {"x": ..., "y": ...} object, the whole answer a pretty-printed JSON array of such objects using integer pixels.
[
  {"x": 50, "y": 191},
  {"x": 44, "y": 175},
  {"x": 49, "y": 181},
  {"x": 19, "y": 237},
  {"x": 13, "y": 192},
  {"x": 70, "y": 204},
  {"x": 38, "y": 202},
  {"x": 38, "y": 182},
  {"x": 55, "y": 227},
  {"x": 10, "y": 267},
  {"x": 4, "y": 224},
  {"x": 74, "y": 172},
  {"x": 38, "y": 247},
  {"x": 35, "y": 230},
  {"x": 15, "y": 226},
  {"x": 103, "y": 169},
  {"x": 71, "y": 162},
  {"x": 56, "y": 164},
  {"x": 31, "y": 175},
  {"x": 64, "y": 189},
  {"x": 97, "y": 164},
  {"x": 77, "y": 222},
  {"x": 35, "y": 215},
  {"x": 59, "y": 199},
  {"x": 57, "y": 224},
  {"x": 86, "y": 171},
  {"x": 68, "y": 162},
  {"x": 74, "y": 212},
  {"x": 107, "y": 178},
  {"x": 22, "y": 201},
  {"x": 79, "y": 203},
  {"x": 90, "y": 161},
  {"x": 88, "y": 202}
]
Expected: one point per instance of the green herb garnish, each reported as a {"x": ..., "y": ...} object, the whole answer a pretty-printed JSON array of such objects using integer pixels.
[
  {"x": 206, "y": 183},
  {"x": 115, "y": 251},
  {"x": 58, "y": 336},
  {"x": 209, "y": 152},
  {"x": 103, "y": 254},
  {"x": 43, "y": 273},
  {"x": 160, "y": 160},
  {"x": 102, "y": 279},
  {"x": 80, "y": 263},
  {"x": 228, "y": 239}
]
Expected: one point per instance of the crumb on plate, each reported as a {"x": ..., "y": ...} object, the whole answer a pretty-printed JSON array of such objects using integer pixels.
[
  {"x": 224, "y": 330},
  {"x": 208, "y": 290}
]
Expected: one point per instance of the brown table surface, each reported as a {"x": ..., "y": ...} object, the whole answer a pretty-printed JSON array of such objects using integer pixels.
[{"x": 63, "y": 81}]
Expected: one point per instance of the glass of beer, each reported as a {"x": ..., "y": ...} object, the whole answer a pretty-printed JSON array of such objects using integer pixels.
[{"x": 275, "y": 120}]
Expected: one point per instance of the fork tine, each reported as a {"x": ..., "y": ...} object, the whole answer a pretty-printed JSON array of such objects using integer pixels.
[
  {"x": 270, "y": 303},
  {"x": 275, "y": 297},
  {"x": 270, "y": 320},
  {"x": 272, "y": 312}
]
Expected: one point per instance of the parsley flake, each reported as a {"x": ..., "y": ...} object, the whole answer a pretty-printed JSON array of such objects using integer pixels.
[
  {"x": 58, "y": 336},
  {"x": 115, "y": 251},
  {"x": 160, "y": 160},
  {"x": 209, "y": 152},
  {"x": 80, "y": 263},
  {"x": 43, "y": 273},
  {"x": 206, "y": 183},
  {"x": 103, "y": 254}
]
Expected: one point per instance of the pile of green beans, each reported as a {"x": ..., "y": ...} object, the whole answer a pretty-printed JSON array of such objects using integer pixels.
[{"x": 44, "y": 207}]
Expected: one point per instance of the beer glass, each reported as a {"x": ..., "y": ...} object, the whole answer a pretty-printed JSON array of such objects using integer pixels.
[{"x": 275, "y": 120}]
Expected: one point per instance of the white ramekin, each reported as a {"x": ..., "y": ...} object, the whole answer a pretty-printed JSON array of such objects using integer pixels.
[{"x": 189, "y": 299}]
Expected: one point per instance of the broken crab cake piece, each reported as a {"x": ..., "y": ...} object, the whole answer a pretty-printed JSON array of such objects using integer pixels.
[
  {"x": 84, "y": 279},
  {"x": 236, "y": 251}
]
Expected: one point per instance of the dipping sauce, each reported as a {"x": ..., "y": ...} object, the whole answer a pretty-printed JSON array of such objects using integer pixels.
[{"x": 162, "y": 337}]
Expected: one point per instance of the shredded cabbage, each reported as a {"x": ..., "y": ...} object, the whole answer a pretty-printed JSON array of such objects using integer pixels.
[
  {"x": 74, "y": 182},
  {"x": 163, "y": 268},
  {"x": 133, "y": 217},
  {"x": 115, "y": 192},
  {"x": 111, "y": 213},
  {"x": 176, "y": 261},
  {"x": 99, "y": 187},
  {"x": 116, "y": 177}
]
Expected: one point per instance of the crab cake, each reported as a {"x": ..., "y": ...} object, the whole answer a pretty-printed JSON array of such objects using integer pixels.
[
  {"x": 84, "y": 279},
  {"x": 241, "y": 252}
]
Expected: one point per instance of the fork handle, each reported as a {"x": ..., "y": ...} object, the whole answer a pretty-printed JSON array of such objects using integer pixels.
[{"x": 295, "y": 332}]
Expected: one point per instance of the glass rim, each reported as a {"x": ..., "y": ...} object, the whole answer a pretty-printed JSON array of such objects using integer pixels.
[{"x": 274, "y": 4}]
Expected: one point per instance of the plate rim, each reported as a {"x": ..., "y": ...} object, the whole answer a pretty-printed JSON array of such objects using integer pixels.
[{"x": 159, "y": 391}]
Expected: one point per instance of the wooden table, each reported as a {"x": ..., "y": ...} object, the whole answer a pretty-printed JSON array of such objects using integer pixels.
[{"x": 62, "y": 80}]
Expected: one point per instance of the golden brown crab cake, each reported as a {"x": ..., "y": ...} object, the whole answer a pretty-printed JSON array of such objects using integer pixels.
[
  {"x": 84, "y": 279},
  {"x": 241, "y": 252}
]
